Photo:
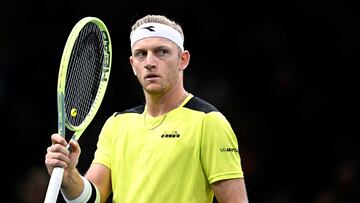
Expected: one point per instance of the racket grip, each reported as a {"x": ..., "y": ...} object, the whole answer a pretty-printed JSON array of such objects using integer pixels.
[{"x": 54, "y": 185}]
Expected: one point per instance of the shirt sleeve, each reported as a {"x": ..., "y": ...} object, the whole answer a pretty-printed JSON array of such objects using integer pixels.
[
  {"x": 219, "y": 149},
  {"x": 103, "y": 150}
]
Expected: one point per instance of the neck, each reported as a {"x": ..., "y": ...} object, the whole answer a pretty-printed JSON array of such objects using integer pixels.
[{"x": 161, "y": 104}]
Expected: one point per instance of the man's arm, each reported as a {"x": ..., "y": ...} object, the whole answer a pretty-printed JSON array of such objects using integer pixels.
[
  {"x": 73, "y": 186},
  {"x": 230, "y": 191},
  {"x": 100, "y": 176}
]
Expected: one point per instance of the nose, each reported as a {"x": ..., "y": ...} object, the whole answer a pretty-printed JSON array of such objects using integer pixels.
[{"x": 150, "y": 61}]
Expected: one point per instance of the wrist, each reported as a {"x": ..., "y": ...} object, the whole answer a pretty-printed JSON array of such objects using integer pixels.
[
  {"x": 71, "y": 178},
  {"x": 89, "y": 193}
]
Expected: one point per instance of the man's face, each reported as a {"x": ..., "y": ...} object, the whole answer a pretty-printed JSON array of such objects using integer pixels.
[{"x": 156, "y": 63}]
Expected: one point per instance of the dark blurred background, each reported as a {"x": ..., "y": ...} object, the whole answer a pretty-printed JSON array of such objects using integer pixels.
[{"x": 283, "y": 73}]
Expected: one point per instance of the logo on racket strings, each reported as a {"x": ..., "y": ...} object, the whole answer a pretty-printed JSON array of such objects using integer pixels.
[{"x": 73, "y": 112}]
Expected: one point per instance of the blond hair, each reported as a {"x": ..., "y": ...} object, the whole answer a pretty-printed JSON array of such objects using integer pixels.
[{"x": 157, "y": 19}]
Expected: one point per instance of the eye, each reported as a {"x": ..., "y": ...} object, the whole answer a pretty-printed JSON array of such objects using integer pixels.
[
  {"x": 140, "y": 54},
  {"x": 161, "y": 52}
]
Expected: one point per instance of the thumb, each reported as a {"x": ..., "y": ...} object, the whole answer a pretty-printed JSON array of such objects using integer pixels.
[
  {"x": 74, "y": 153},
  {"x": 74, "y": 147}
]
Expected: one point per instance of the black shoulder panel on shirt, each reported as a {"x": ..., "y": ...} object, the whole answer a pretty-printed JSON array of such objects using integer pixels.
[
  {"x": 198, "y": 104},
  {"x": 138, "y": 109}
]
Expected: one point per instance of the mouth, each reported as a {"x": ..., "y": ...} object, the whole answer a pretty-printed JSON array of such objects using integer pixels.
[{"x": 151, "y": 76}]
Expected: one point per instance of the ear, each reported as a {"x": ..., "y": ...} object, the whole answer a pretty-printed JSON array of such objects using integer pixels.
[
  {"x": 132, "y": 66},
  {"x": 185, "y": 59}
]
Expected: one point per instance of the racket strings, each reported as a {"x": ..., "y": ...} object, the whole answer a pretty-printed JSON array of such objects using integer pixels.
[{"x": 84, "y": 74}]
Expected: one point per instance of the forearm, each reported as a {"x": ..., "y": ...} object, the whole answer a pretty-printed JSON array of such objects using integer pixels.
[
  {"x": 72, "y": 185},
  {"x": 230, "y": 191}
]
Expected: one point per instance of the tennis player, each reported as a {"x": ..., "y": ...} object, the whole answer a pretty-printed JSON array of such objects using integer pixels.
[{"x": 174, "y": 148}]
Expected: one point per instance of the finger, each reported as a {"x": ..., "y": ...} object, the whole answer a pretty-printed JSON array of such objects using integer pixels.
[
  {"x": 57, "y": 152},
  {"x": 56, "y": 138},
  {"x": 56, "y": 159},
  {"x": 74, "y": 146},
  {"x": 58, "y": 148}
]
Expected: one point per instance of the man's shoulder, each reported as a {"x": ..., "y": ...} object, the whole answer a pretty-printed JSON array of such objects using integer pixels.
[
  {"x": 137, "y": 110},
  {"x": 198, "y": 104}
]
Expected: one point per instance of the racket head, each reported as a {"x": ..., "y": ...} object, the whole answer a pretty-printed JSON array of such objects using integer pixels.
[{"x": 83, "y": 74}]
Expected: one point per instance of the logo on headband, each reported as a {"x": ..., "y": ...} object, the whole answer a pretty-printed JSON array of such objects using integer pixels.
[
  {"x": 157, "y": 30},
  {"x": 150, "y": 28}
]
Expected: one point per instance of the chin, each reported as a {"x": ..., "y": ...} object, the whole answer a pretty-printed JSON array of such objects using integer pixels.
[{"x": 152, "y": 89}]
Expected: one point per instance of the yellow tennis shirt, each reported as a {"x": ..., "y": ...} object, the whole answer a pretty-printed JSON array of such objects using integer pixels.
[{"x": 170, "y": 158}]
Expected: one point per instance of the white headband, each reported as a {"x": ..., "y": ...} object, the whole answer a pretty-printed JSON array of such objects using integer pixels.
[{"x": 157, "y": 30}]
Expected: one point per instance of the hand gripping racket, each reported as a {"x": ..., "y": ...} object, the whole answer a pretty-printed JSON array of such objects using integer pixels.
[{"x": 83, "y": 77}]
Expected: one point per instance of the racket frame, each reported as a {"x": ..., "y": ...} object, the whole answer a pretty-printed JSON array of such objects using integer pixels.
[
  {"x": 62, "y": 121},
  {"x": 57, "y": 173}
]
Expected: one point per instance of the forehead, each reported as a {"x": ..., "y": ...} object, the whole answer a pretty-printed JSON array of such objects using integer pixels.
[{"x": 154, "y": 42}]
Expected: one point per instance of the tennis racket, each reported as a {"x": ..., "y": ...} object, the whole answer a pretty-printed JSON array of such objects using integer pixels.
[{"x": 82, "y": 80}]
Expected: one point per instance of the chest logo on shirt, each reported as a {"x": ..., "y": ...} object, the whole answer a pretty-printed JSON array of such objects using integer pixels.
[
  {"x": 229, "y": 149},
  {"x": 173, "y": 134}
]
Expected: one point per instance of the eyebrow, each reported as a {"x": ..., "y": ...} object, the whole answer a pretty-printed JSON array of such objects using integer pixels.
[{"x": 153, "y": 48}]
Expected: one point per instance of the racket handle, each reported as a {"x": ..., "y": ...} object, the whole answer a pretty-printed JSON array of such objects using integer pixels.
[{"x": 54, "y": 185}]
